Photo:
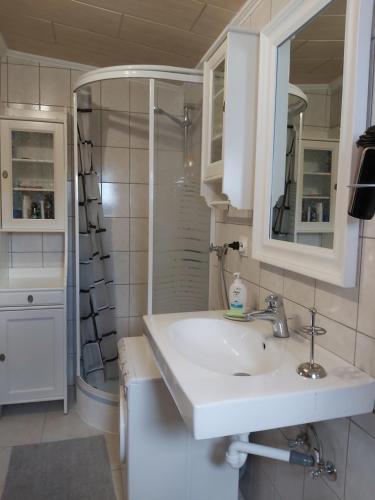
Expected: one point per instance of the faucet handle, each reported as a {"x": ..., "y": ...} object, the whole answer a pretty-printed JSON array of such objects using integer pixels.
[{"x": 273, "y": 301}]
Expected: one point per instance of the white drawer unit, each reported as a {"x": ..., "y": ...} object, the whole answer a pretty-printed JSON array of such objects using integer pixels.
[
  {"x": 29, "y": 298},
  {"x": 32, "y": 355}
]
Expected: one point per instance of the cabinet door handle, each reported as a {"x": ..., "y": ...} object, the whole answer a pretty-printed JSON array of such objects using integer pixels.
[
  {"x": 30, "y": 299},
  {"x": 5, "y": 174},
  {"x": 2, "y": 357}
]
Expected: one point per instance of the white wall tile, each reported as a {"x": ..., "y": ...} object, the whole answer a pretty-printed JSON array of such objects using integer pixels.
[
  {"x": 94, "y": 88},
  {"x": 337, "y": 303},
  {"x": 115, "y": 129},
  {"x": 300, "y": 289},
  {"x": 122, "y": 327},
  {"x": 339, "y": 339},
  {"x": 317, "y": 489},
  {"x": 297, "y": 315},
  {"x": 138, "y": 200},
  {"x": 34, "y": 259},
  {"x": 365, "y": 354},
  {"x": 17, "y": 90},
  {"x": 139, "y": 167},
  {"x": 366, "y": 309},
  {"x": 115, "y": 198},
  {"x": 360, "y": 477},
  {"x": 118, "y": 233},
  {"x": 120, "y": 267},
  {"x": 115, "y": 94},
  {"x": 27, "y": 242},
  {"x": 272, "y": 278},
  {"x": 121, "y": 299},
  {"x": 138, "y": 267},
  {"x": 139, "y": 130},
  {"x": 115, "y": 165},
  {"x": 334, "y": 434},
  {"x": 53, "y": 259},
  {"x": 367, "y": 422},
  {"x": 139, "y": 96},
  {"x": 138, "y": 234},
  {"x": 54, "y": 86},
  {"x": 136, "y": 326},
  {"x": 138, "y": 300},
  {"x": 53, "y": 242}
]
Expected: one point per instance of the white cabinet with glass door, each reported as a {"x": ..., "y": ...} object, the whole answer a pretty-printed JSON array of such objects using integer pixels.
[
  {"x": 316, "y": 187},
  {"x": 228, "y": 125},
  {"x": 32, "y": 175}
]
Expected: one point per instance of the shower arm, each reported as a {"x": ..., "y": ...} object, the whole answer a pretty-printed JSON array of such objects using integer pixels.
[{"x": 186, "y": 122}]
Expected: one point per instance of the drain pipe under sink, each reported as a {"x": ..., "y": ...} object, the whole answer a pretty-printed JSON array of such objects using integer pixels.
[{"x": 238, "y": 451}]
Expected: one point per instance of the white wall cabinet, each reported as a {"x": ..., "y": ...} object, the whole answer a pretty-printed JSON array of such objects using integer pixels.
[
  {"x": 32, "y": 355},
  {"x": 229, "y": 117},
  {"x": 32, "y": 175},
  {"x": 316, "y": 186}
]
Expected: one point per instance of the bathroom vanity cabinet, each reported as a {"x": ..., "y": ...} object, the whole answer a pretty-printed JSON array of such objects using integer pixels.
[
  {"x": 32, "y": 174},
  {"x": 229, "y": 116},
  {"x": 32, "y": 338}
]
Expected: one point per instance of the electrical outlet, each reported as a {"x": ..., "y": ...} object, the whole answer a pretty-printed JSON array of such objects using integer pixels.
[{"x": 244, "y": 246}]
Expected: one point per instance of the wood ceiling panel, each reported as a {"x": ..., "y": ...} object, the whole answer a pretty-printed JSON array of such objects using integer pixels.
[
  {"x": 124, "y": 52},
  {"x": 164, "y": 38},
  {"x": 212, "y": 21},
  {"x": 324, "y": 28},
  {"x": 233, "y": 5},
  {"x": 28, "y": 27},
  {"x": 178, "y": 13},
  {"x": 336, "y": 7},
  {"x": 314, "y": 49},
  {"x": 57, "y": 51},
  {"x": 71, "y": 13},
  {"x": 315, "y": 71}
]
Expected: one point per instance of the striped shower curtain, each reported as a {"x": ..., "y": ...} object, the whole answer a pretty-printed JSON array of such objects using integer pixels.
[{"x": 97, "y": 322}]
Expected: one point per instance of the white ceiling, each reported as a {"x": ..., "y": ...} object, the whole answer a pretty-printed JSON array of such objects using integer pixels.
[{"x": 110, "y": 32}]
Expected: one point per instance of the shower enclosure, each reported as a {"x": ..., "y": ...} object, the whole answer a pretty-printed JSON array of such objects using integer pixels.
[{"x": 137, "y": 176}]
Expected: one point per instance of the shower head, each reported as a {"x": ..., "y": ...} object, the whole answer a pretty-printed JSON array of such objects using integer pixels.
[{"x": 185, "y": 122}]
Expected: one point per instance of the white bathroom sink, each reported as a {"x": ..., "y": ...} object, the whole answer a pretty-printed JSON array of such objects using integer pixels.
[
  {"x": 225, "y": 347},
  {"x": 199, "y": 355}
]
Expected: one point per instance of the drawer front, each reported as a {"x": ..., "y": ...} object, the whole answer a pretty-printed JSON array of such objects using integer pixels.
[{"x": 32, "y": 298}]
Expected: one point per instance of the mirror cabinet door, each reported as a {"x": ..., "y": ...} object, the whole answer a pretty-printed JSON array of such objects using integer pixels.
[
  {"x": 307, "y": 129},
  {"x": 312, "y": 107}
]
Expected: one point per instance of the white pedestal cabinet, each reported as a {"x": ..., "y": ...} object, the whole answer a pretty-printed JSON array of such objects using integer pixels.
[{"x": 33, "y": 339}]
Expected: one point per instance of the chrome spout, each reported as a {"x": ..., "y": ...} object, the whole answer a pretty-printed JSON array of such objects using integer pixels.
[{"x": 275, "y": 313}]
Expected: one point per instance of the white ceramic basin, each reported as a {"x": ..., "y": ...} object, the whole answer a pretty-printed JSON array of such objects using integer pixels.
[
  {"x": 225, "y": 347},
  {"x": 198, "y": 354}
]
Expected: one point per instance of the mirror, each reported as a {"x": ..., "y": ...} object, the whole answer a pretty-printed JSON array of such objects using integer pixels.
[{"x": 309, "y": 78}]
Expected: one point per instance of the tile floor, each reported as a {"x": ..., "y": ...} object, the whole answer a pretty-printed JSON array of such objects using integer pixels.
[{"x": 42, "y": 422}]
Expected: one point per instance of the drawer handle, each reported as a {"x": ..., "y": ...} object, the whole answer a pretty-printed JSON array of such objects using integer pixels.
[
  {"x": 2, "y": 357},
  {"x": 30, "y": 299}
]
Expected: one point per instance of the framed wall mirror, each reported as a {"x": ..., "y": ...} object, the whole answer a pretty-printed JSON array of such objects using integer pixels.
[{"x": 312, "y": 106}]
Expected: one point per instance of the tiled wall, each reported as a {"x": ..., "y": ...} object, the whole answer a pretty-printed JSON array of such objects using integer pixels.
[
  {"x": 349, "y": 317},
  {"x": 120, "y": 136}
]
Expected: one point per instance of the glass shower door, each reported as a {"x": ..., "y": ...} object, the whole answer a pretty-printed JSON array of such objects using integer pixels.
[{"x": 181, "y": 219}]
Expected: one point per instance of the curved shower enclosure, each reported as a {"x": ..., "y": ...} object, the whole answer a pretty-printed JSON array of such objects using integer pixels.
[{"x": 141, "y": 226}]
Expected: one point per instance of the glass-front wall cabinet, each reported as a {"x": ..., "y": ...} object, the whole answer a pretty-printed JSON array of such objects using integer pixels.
[
  {"x": 217, "y": 104},
  {"x": 316, "y": 191},
  {"x": 32, "y": 175}
]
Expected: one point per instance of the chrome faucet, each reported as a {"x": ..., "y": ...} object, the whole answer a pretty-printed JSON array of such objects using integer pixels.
[{"x": 275, "y": 313}]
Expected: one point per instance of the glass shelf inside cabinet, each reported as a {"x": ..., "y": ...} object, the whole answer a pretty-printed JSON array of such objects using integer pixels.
[
  {"x": 33, "y": 175},
  {"x": 217, "y": 112}
]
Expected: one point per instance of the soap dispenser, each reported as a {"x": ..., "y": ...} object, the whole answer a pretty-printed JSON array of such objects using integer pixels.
[{"x": 237, "y": 295}]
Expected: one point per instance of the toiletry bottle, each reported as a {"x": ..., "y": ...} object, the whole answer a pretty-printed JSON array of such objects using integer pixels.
[{"x": 237, "y": 295}]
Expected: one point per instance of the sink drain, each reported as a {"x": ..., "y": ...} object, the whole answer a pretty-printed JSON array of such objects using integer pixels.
[{"x": 241, "y": 374}]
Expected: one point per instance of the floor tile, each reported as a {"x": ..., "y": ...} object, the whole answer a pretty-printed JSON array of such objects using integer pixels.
[
  {"x": 59, "y": 427},
  {"x": 4, "y": 463},
  {"x": 21, "y": 429}
]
